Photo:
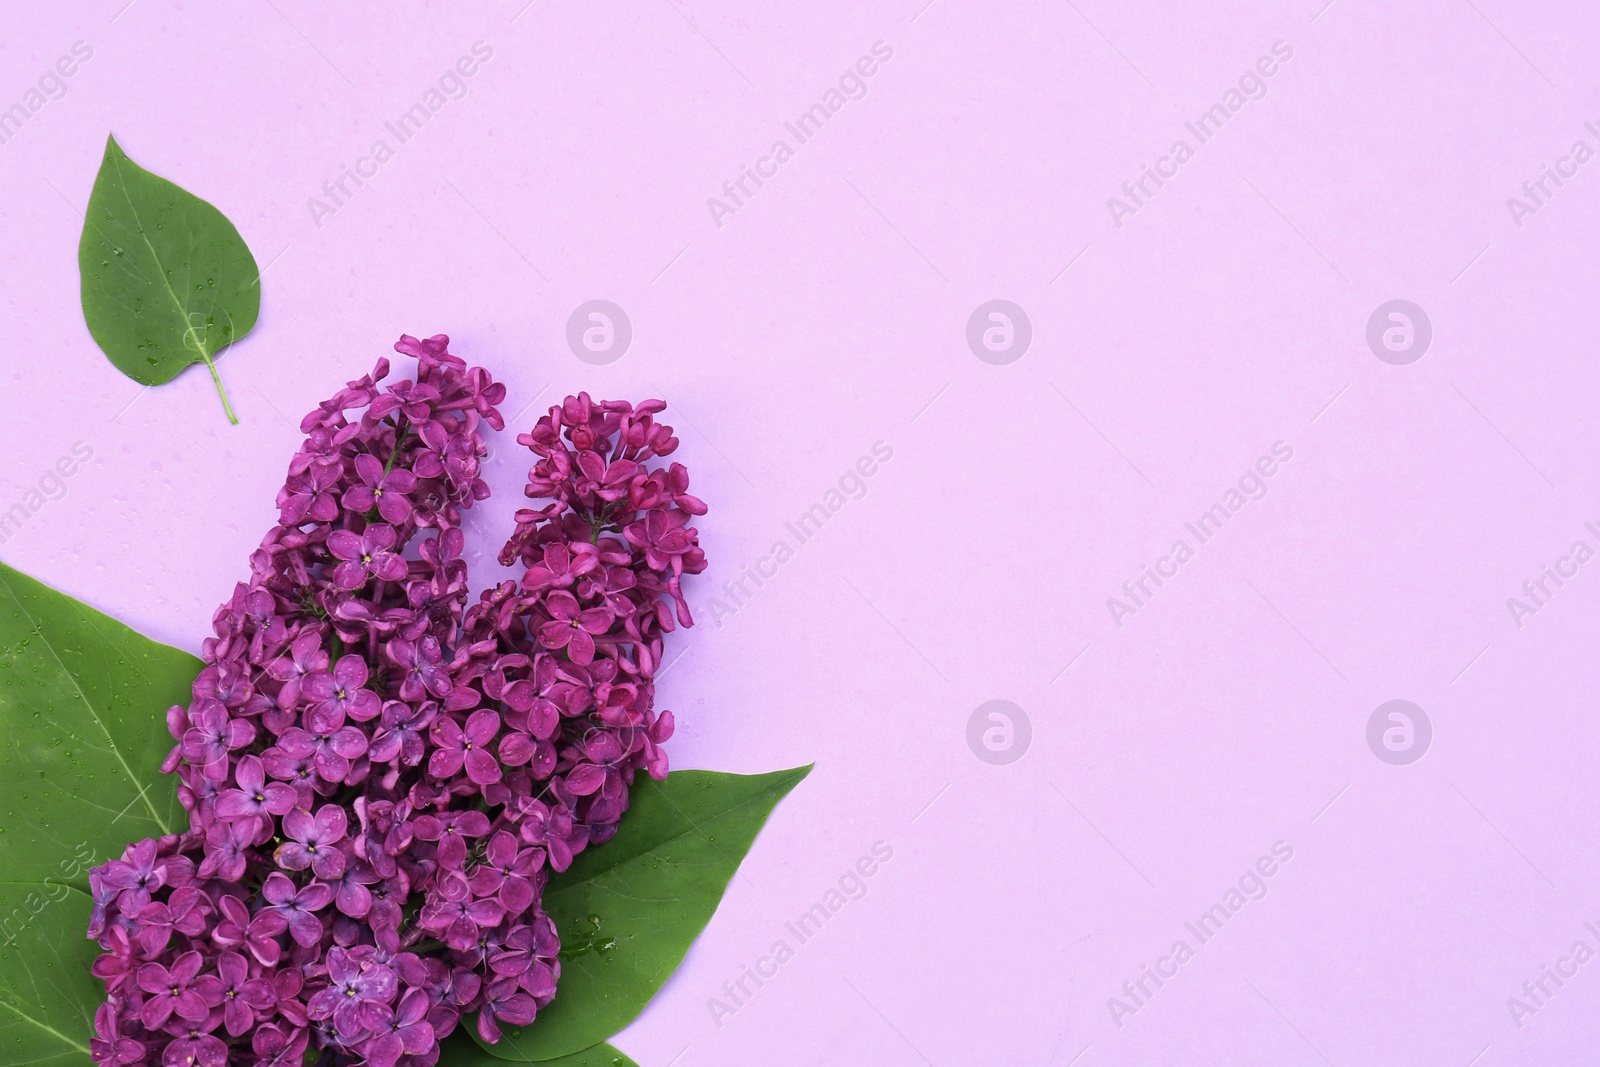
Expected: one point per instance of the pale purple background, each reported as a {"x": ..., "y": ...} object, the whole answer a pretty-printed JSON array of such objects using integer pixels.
[{"x": 830, "y": 313}]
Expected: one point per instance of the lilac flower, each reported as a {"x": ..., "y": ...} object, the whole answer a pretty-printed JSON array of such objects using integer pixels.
[
  {"x": 212, "y": 736},
  {"x": 662, "y": 536},
  {"x": 306, "y": 657},
  {"x": 561, "y": 566},
  {"x": 385, "y": 913},
  {"x": 240, "y": 996},
  {"x": 256, "y": 933},
  {"x": 287, "y": 986},
  {"x": 457, "y": 916},
  {"x": 506, "y": 1002},
  {"x": 184, "y": 912},
  {"x": 517, "y": 749},
  {"x": 307, "y": 497},
  {"x": 228, "y": 849},
  {"x": 422, "y": 667},
  {"x": 330, "y": 748},
  {"x": 531, "y": 958},
  {"x": 297, "y": 906},
  {"x": 382, "y": 489},
  {"x": 377, "y": 771},
  {"x": 314, "y": 841},
  {"x": 599, "y": 767},
  {"x": 353, "y": 981},
  {"x": 255, "y": 796},
  {"x": 402, "y": 732},
  {"x": 342, "y": 692},
  {"x": 549, "y": 828},
  {"x": 274, "y": 1048},
  {"x": 353, "y": 897},
  {"x": 168, "y": 991},
  {"x": 367, "y": 556},
  {"x": 507, "y": 873},
  {"x": 573, "y": 628},
  {"x": 470, "y": 747},
  {"x": 117, "y": 966},
  {"x": 297, "y": 771},
  {"x": 195, "y": 1048},
  {"x": 400, "y": 1032},
  {"x": 261, "y": 610},
  {"x": 108, "y": 1047},
  {"x": 136, "y": 875},
  {"x": 451, "y": 831}
]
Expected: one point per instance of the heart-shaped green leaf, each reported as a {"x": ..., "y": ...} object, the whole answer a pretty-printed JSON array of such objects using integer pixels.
[
  {"x": 628, "y": 910},
  {"x": 167, "y": 280},
  {"x": 82, "y": 736},
  {"x": 459, "y": 1050}
]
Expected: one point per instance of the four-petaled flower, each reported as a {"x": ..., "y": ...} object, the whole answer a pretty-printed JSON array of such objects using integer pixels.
[
  {"x": 343, "y": 692},
  {"x": 369, "y": 555},
  {"x": 136, "y": 875},
  {"x": 306, "y": 657},
  {"x": 168, "y": 991},
  {"x": 405, "y": 1031},
  {"x": 469, "y": 747},
  {"x": 506, "y": 1003},
  {"x": 452, "y": 830},
  {"x": 255, "y": 795},
  {"x": 232, "y": 989},
  {"x": 354, "y": 979},
  {"x": 381, "y": 488},
  {"x": 401, "y": 734},
  {"x": 422, "y": 668},
  {"x": 257, "y": 933},
  {"x": 314, "y": 841},
  {"x": 507, "y": 872},
  {"x": 297, "y": 906},
  {"x": 573, "y": 628},
  {"x": 112, "y": 1049},
  {"x": 212, "y": 735}
]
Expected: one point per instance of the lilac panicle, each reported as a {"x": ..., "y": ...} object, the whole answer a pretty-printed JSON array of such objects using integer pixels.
[{"x": 379, "y": 776}]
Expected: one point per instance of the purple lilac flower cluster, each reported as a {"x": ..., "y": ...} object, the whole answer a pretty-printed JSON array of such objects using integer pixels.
[
  {"x": 379, "y": 778},
  {"x": 581, "y": 635}
]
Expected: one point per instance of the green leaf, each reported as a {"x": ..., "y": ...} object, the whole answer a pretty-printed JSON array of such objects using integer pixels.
[
  {"x": 82, "y": 736},
  {"x": 167, "y": 280},
  {"x": 628, "y": 910},
  {"x": 459, "y": 1050}
]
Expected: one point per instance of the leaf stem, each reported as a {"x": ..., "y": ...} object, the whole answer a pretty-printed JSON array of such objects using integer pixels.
[{"x": 223, "y": 393}]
